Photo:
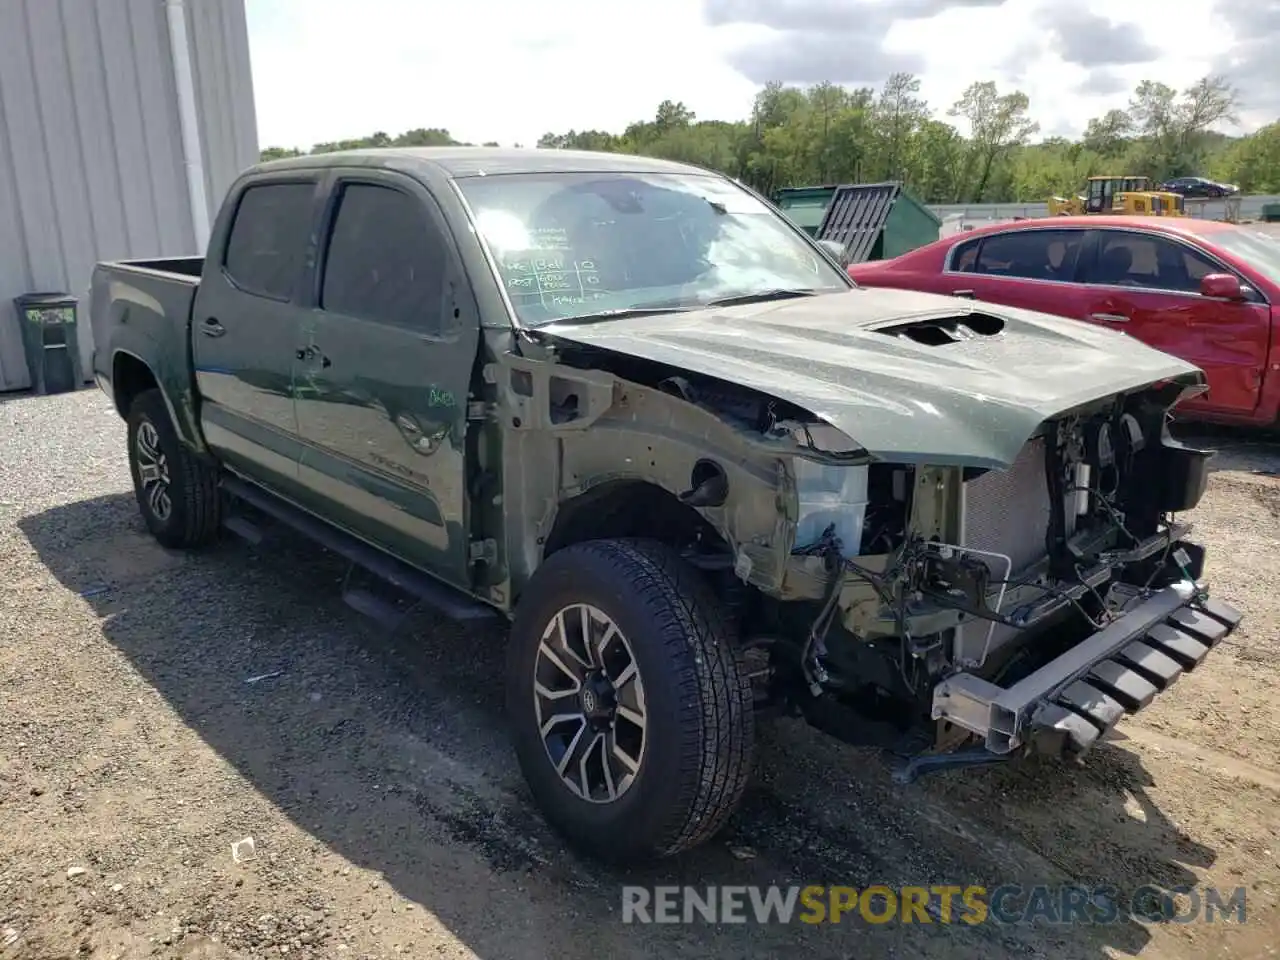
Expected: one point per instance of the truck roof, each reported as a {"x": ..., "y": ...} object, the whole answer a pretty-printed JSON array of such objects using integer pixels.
[{"x": 458, "y": 162}]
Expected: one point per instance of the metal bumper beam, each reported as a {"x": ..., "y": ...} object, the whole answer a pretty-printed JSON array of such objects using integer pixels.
[{"x": 1070, "y": 702}]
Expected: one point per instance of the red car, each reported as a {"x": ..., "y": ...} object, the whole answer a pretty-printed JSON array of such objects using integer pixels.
[{"x": 1202, "y": 290}]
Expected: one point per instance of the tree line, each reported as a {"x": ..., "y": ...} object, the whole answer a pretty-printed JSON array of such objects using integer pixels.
[{"x": 827, "y": 133}]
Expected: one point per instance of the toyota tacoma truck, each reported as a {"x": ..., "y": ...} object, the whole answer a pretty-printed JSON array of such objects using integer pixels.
[{"x": 629, "y": 406}]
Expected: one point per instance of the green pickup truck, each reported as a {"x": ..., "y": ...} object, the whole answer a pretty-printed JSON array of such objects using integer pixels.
[{"x": 628, "y": 405}]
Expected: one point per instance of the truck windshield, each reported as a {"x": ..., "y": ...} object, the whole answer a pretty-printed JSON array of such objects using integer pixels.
[
  {"x": 1260, "y": 250},
  {"x": 582, "y": 244}
]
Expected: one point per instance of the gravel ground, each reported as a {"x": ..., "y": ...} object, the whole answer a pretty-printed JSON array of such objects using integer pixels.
[{"x": 372, "y": 772}]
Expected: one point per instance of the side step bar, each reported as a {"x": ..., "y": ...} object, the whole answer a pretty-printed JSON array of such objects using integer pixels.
[{"x": 449, "y": 601}]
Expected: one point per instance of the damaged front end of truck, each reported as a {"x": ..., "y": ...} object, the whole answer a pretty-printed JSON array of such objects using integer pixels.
[
  {"x": 948, "y": 532},
  {"x": 1014, "y": 610}
]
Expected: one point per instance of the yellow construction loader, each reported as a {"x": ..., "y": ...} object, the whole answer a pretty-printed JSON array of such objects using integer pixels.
[{"x": 1119, "y": 195}]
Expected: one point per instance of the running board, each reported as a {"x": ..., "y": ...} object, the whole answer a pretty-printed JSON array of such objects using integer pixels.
[
  {"x": 448, "y": 600},
  {"x": 244, "y": 528},
  {"x": 375, "y": 608},
  {"x": 377, "y": 599}
]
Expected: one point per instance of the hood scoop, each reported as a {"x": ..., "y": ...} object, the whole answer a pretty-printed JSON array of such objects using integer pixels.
[{"x": 938, "y": 331}]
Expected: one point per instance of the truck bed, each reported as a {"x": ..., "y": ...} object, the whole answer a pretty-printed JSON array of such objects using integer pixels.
[
  {"x": 190, "y": 267},
  {"x": 142, "y": 309}
]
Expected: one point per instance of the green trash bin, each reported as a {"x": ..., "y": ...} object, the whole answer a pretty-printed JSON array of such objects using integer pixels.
[
  {"x": 1271, "y": 212},
  {"x": 48, "y": 322}
]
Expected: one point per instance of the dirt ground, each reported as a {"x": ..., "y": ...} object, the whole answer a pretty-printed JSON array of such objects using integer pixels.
[{"x": 388, "y": 816}]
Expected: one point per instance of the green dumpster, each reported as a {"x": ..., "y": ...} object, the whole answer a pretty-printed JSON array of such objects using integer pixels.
[
  {"x": 870, "y": 221},
  {"x": 1271, "y": 212},
  {"x": 804, "y": 206},
  {"x": 877, "y": 221},
  {"x": 48, "y": 322}
]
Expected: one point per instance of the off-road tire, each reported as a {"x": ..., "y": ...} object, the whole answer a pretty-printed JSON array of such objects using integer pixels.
[
  {"x": 196, "y": 513},
  {"x": 700, "y": 737}
]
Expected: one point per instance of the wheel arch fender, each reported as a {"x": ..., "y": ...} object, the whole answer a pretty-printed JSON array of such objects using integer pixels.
[
  {"x": 630, "y": 507},
  {"x": 131, "y": 375}
]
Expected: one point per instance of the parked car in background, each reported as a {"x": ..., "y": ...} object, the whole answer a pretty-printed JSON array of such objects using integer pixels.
[
  {"x": 1202, "y": 290},
  {"x": 1199, "y": 187}
]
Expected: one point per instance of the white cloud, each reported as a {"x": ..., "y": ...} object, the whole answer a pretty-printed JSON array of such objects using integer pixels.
[
  {"x": 1016, "y": 45},
  {"x": 510, "y": 71}
]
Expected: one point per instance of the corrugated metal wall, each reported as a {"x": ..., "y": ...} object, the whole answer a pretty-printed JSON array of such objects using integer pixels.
[{"x": 91, "y": 163}]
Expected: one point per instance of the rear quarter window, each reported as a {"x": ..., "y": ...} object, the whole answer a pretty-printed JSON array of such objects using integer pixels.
[
  {"x": 269, "y": 238},
  {"x": 965, "y": 258}
]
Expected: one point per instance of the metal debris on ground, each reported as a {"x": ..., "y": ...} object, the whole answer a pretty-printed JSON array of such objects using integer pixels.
[
  {"x": 266, "y": 676},
  {"x": 244, "y": 850}
]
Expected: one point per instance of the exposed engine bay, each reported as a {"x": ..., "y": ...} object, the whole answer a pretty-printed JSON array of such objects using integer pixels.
[{"x": 997, "y": 572}]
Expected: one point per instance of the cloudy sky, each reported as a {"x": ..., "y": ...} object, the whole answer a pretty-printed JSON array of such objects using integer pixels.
[{"x": 511, "y": 70}]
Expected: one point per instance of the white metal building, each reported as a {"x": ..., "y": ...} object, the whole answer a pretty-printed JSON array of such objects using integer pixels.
[{"x": 122, "y": 122}]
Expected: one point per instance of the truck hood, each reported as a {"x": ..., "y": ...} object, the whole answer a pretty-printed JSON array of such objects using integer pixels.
[{"x": 973, "y": 399}]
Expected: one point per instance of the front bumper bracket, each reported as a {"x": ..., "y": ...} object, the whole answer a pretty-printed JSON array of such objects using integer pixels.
[{"x": 1068, "y": 704}]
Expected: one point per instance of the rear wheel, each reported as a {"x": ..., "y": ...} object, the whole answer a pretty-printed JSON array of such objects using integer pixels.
[
  {"x": 177, "y": 492},
  {"x": 632, "y": 722}
]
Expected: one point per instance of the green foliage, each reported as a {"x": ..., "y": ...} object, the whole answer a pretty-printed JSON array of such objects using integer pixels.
[
  {"x": 279, "y": 153},
  {"x": 1252, "y": 163},
  {"x": 830, "y": 134},
  {"x": 422, "y": 137}
]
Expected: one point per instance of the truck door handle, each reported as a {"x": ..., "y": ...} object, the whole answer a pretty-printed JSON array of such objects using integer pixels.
[
  {"x": 1110, "y": 317},
  {"x": 212, "y": 328},
  {"x": 968, "y": 294}
]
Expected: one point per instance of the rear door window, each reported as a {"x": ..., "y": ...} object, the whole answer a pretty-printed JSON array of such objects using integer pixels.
[
  {"x": 386, "y": 260},
  {"x": 1029, "y": 254},
  {"x": 269, "y": 238},
  {"x": 1127, "y": 259}
]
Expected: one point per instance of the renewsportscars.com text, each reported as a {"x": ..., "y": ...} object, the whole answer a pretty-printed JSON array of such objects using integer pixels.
[{"x": 938, "y": 903}]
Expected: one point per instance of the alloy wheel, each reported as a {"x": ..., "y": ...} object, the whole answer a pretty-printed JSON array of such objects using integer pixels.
[
  {"x": 153, "y": 471},
  {"x": 590, "y": 703}
]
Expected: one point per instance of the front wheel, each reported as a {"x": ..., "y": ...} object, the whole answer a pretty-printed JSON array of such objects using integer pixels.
[{"x": 632, "y": 721}]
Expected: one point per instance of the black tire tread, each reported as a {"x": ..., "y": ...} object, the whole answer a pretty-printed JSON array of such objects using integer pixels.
[
  {"x": 198, "y": 509},
  {"x": 716, "y": 751}
]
